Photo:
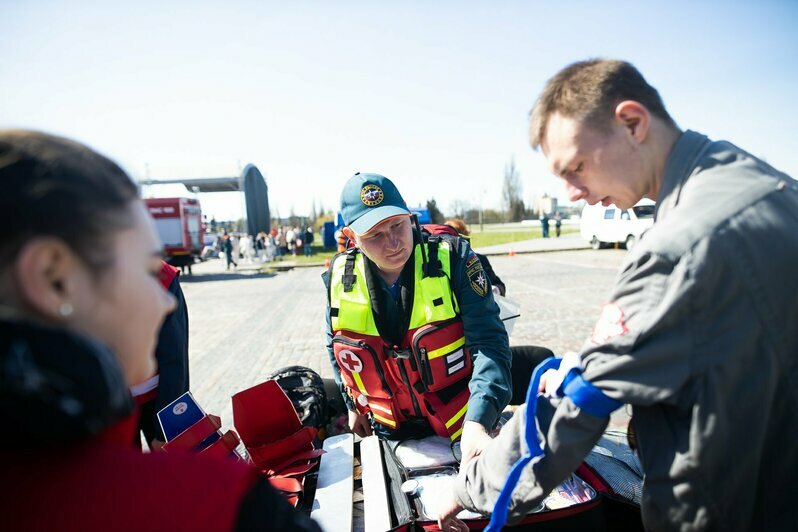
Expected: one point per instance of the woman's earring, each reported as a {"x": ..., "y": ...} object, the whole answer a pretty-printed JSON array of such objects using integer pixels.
[{"x": 65, "y": 310}]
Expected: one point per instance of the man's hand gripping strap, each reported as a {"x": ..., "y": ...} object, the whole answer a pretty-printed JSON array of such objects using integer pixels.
[{"x": 583, "y": 394}]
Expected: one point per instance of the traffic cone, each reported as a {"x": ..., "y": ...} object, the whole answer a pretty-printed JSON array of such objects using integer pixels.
[
  {"x": 511, "y": 253},
  {"x": 326, "y": 263}
]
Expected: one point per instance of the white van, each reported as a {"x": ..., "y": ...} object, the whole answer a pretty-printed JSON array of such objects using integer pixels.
[{"x": 603, "y": 226}]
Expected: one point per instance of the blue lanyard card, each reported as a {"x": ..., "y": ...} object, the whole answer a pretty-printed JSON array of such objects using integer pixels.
[{"x": 181, "y": 414}]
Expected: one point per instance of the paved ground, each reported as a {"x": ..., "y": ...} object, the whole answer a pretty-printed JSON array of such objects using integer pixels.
[{"x": 244, "y": 325}]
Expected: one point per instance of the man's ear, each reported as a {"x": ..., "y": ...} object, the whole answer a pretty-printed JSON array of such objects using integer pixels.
[
  {"x": 635, "y": 118},
  {"x": 45, "y": 272},
  {"x": 348, "y": 233}
]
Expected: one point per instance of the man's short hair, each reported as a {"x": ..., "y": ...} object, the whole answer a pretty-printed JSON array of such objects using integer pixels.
[{"x": 588, "y": 91}]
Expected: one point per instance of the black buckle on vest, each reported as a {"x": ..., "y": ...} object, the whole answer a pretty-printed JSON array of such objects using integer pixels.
[
  {"x": 433, "y": 266},
  {"x": 349, "y": 277},
  {"x": 395, "y": 352}
]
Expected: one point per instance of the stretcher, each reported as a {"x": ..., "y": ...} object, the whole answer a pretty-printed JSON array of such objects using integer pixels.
[{"x": 372, "y": 485}]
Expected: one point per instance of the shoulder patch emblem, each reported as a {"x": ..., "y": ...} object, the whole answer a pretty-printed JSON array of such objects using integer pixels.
[
  {"x": 476, "y": 275},
  {"x": 371, "y": 195},
  {"x": 610, "y": 324}
]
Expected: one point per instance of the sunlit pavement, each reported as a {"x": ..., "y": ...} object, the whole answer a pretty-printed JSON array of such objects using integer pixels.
[{"x": 245, "y": 324}]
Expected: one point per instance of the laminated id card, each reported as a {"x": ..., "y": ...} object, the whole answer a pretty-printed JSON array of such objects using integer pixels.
[{"x": 181, "y": 414}]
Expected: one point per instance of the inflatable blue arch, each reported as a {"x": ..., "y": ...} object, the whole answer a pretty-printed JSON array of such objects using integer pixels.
[{"x": 250, "y": 182}]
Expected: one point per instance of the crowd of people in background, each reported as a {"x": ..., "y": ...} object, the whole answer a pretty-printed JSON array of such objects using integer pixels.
[{"x": 264, "y": 247}]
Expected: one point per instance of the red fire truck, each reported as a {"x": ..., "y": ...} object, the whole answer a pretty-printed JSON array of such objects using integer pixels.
[{"x": 179, "y": 224}]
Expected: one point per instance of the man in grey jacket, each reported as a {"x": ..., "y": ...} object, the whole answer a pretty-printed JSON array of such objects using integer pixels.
[{"x": 699, "y": 335}]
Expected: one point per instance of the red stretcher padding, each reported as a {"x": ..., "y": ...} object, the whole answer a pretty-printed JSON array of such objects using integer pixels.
[
  {"x": 224, "y": 446},
  {"x": 286, "y": 485},
  {"x": 194, "y": 435},
  {"x": 277, "y": 443},
  {"x": 264, "y": 414},
  {"x": 277, "y": 452},
  {"x": 296, "y": 465}
]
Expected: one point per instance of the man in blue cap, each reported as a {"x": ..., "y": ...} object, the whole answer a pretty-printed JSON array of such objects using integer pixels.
[{"x": 413, "y": 332}]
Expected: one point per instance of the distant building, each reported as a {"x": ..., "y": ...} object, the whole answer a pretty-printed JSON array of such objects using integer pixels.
[{"x": 546, "y": 204}]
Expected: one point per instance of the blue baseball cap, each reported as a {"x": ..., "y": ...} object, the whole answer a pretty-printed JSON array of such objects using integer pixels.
[{"x": 368, "y": 199}]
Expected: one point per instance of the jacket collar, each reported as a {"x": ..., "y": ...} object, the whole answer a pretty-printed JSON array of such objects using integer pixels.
[
  {"x": 57, "y": 387},
  {"x": 678, "y": 168}
]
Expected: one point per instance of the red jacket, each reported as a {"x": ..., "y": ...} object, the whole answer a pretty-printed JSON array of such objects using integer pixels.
[
  {"x": 67, "y": 462},
  {"x": 103, "y": 486}
]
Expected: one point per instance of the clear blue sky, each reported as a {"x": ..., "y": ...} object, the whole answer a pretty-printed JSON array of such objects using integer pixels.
[{"x": 433, "y": 94}]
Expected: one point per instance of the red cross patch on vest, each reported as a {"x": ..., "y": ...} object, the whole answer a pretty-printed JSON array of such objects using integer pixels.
[{"x": 350, "y": 361}]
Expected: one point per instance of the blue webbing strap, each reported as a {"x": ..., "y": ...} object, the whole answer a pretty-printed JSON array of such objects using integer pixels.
[
  {"x": 499, "y": 516},
  {"x": 587, "y": 397},
  {"x": 582, "y": 393}
]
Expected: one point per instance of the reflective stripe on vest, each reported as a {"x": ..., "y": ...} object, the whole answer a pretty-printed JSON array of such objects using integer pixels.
[
  {"x": 432, "y": 301},
  {"x": 445, "y": 350},
  {"x": 360, "y": 386},
  {"x": 454, "y": 420}
]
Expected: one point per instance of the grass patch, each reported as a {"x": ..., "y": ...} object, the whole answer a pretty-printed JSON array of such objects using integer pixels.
[
  {"x": 492, "y": 238},
  {"x": 319, "y": 255},
  {"x": 478, "y": 240}
]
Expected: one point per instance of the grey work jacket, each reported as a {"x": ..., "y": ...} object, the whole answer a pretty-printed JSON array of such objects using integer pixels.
[{"x": 701, "y": 338}]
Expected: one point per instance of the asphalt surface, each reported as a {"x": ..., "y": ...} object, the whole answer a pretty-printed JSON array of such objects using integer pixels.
[{"x": 244, "y": 325}]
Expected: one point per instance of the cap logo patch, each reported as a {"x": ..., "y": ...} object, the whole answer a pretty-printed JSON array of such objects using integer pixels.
[{"x": 371, "y": 195}]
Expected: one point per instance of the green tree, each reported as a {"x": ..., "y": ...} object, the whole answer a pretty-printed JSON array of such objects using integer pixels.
[
  {"x": 511, "y": 193},
  {"x": 435, "y": 214}
]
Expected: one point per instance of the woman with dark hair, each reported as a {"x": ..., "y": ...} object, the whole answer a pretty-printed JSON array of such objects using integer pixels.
[{"x": 80, "y": 308}]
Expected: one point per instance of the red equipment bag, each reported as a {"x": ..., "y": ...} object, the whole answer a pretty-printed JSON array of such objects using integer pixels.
[
  {"x": 263, "y": 414},
  {"x": 439, "y": 229},
  {"x": 277, "y": 443}
]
